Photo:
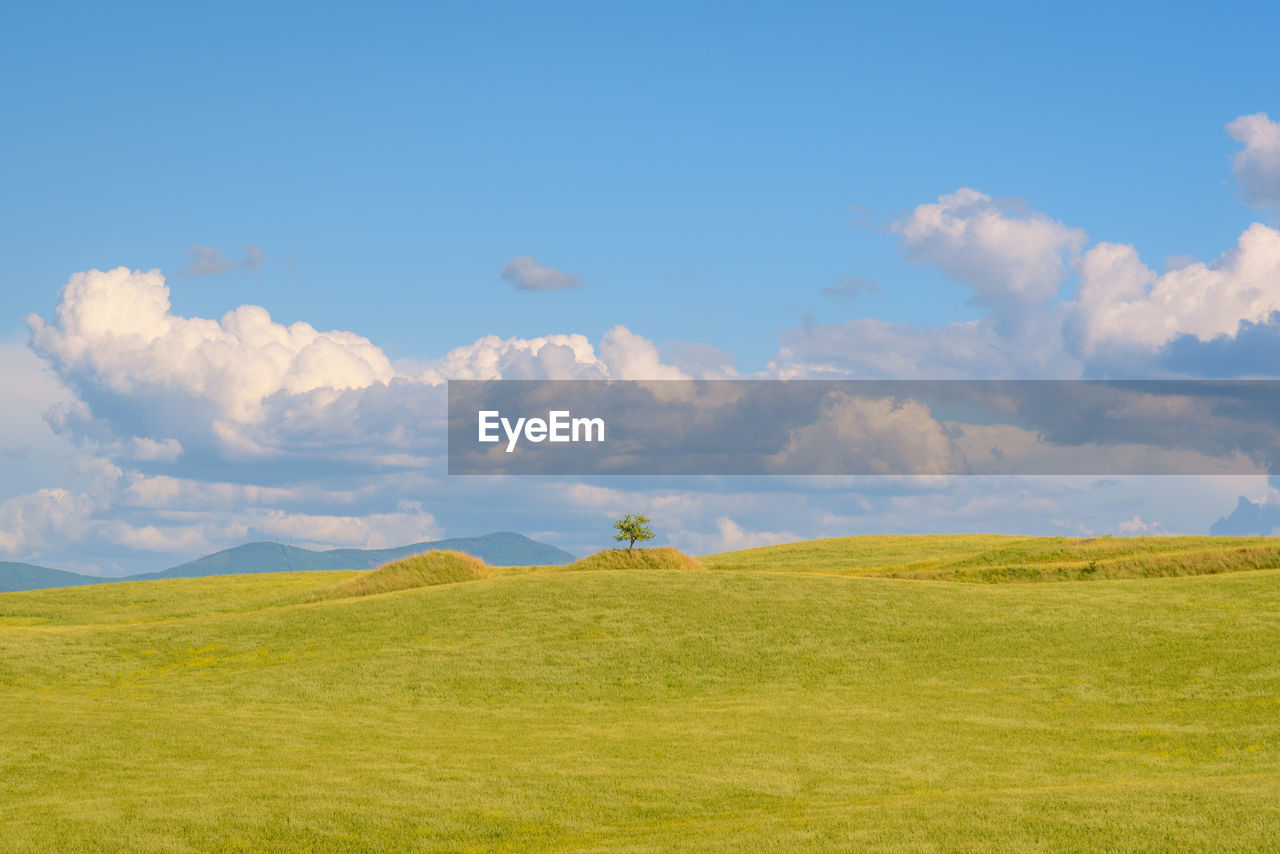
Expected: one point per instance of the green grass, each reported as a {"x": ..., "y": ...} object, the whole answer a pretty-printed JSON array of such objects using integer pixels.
[
  {"x": 993, "y": 558},
  {"x": 781, "y": 705}
]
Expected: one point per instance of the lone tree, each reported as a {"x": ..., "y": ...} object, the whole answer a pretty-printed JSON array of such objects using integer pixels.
[{"x": 632, "y": 527}]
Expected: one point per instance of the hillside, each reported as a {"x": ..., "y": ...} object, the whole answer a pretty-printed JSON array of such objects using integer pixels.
[
  {"x": 25, "y": 576},
  {"x": 423, "y": 570},
  {"x": 501, "y": 549},
  {"x": 764, "y": 707},
  {"x": 994, "y": 558}
]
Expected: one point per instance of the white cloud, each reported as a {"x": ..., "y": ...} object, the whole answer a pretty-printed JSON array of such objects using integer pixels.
[
  {"x": 191, "y": 534},
  {"x": 149, "y": 450},
  {"x": 167, "y": 493},
  {"x": 1257, "y": 165},
  {"x": 36, "y": 520},
  {"x": 622, "y": 355},
  {"x": 110, "y": 509},
  {"x": 1136, "y": 527},
  {"x": 114, "y": 330},
  {"x": 528, "y": 275},
  {"x": 557, "y": 357},
  {"x": 733, "y": 537},
  {"x": 633, "y": 357},
  {"x": 31, "y": 453},
  {"x": 1013, "y": 262},
  {"x": 198, "y": 393},
  {"x": 411, "y": 524},
  {"x": 1122, "y": 303},
  {"x": 873, "y": 349},
  {"x": 188, "y": 539},
  {"x": 321, "y": 433}
]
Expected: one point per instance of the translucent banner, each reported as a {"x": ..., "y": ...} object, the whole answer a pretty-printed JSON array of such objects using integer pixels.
[{"x": 861, "y": 427}]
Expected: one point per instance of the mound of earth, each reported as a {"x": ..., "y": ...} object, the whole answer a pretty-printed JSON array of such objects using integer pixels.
[{"x": 424, "y": 570}]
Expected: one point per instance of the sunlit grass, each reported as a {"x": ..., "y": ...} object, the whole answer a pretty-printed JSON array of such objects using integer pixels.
[
  {"x": 424, "y": 570},
  {"x": 749, "y": 710},
  {"x": 987, "y": 557},
  {"x": 640, "y": 558}
]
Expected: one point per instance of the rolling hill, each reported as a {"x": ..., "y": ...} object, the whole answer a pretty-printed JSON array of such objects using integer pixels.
[
  {"x": 500, "y": 549},
  {"x": 750, "y": 701},
  {"x": 996, "y": 558}
]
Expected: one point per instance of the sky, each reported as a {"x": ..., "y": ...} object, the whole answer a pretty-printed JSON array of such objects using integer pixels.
[{"x": 245, "y": 246}]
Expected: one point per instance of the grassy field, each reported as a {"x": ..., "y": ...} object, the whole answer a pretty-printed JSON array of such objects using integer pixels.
[
  {"x": 768, "y": 700},
  {"x": 996, "y": 558}
]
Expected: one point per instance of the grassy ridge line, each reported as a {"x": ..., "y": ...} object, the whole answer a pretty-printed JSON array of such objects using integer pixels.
[
  {"x": 449, "y": 567},
  {"x": 166, "y": 600},
  {"x": 204, "y": 597},
  {"x": 993, "y": 558}
]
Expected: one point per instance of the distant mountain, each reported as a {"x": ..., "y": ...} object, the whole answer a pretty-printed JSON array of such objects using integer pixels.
[
  {"x": 25, "y": 576},
  {"x": 505, "y": 549}
]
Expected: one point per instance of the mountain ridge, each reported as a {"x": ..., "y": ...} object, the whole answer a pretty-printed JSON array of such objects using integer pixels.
[
  {"x": 28, "y": 576},
  {"x": 503, "y": 548}
]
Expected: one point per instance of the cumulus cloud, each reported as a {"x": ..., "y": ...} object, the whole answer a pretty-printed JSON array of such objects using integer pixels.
[
  {"x": 209, "y": 261},
  {"x": 31, "y": 522},
  {"x": 1257, "y": 165},
  {"x": 872, "y": 436},
  {"x": 633, "y": 357},
  {"x": 194, "y": 397},
  {"x": 262, "y": 429},
  {"x": 1013, "y": 261},
  {"x": 114, "y": 330},
  {"x": 622, "y": 355},
  {"x": 1121, "y": 303},
  {"x": 150, "y": 450},
  {"x": 1258, "y": 516},
  {"x": 528, "y": 275},
  {"x": 554, "y": 357},
  {"x": 160, "y": 385}
]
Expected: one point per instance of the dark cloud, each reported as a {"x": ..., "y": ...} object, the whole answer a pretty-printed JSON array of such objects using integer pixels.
[
  {"x": 528, "y": 275},
  {"x": 1248, "y": 519},
  {"x": 1254, "y": 350},
  {"x": 851, "y": 287},
  {"x": 209, "y": 261}
]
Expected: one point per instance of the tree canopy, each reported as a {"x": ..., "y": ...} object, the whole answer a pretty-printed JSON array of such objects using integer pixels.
[{"x": 632, "y": 528}]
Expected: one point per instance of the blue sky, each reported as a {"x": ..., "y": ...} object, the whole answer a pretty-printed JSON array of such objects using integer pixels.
[{"x": 706, "y": 170}]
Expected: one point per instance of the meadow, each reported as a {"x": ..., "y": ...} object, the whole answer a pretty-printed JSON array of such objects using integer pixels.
[{"x": 792, "y": 698}]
